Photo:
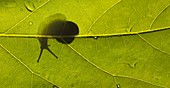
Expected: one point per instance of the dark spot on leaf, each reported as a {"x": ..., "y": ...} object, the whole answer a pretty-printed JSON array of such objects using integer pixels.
[
  {"x": 43, "y": 85},
  {"x": 72, "y": 85},
  {"x": 76, "y": 76},
  {"x": 21, "y": 9},
  {"x": 64, "y": 30}
]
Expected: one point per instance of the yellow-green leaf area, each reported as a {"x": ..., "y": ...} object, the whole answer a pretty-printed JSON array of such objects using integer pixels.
[{"x": 121, "y": 44}]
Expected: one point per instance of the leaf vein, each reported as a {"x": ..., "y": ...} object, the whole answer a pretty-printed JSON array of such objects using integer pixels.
[
  {"x": 159, "y": 14},
  {"x": 10, "y": 77},
  {"x": 153, "y": 45},
  {"x": 22, "y": 63},
  {"x": 84, "y": 36},
  {"x": 140, "y": 80},
  {"x": 98, "y": 18},
  {"x": 26, "y": 17},
  {"x": 91, "y": 62}
]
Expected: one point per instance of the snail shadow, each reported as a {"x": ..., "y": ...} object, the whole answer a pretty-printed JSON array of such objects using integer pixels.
[{"x": 65, "y": 29}]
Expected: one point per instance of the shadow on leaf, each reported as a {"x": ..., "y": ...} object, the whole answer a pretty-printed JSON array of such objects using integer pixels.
[{"x": 59, "y": 27}]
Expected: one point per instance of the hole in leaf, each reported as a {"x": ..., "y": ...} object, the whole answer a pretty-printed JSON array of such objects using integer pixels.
[
  {"x": 96, "y": 37},
  {"x": 30, "y": 23},
  {"x": 118, "y": 86}
]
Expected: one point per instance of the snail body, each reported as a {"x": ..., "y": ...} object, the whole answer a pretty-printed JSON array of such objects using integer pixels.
[{"x": 56, "y": 25}]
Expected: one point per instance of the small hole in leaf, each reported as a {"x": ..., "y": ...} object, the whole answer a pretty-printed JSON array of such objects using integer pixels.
[
  {"x": 118, "y": 86},
  {"x": 30, "y": 23},
  {"x": 96, "y": 37}
]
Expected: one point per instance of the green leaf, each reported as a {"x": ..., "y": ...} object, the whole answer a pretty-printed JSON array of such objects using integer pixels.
[{"x": 121, "y": 44}]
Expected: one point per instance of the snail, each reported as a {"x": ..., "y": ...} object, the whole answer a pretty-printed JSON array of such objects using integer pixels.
[{"x": 56, "y": 25}]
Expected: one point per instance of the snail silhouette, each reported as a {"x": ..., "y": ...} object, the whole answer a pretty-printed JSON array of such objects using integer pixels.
[{"x": 56, "y": 25}]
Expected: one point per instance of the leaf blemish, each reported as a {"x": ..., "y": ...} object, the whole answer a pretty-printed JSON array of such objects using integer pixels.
[
  {"x": 96, "y": 37},
  {"x": 72, "y": 85},
  {"x": 21, "y": 9},
  {"x": 43, "y": 85},
  {"x": 30, "y": 23},
  {"x": 54, "y": 86},
  {"x": 118, "y": 86},
  {"x": 56, "y": 25},
  {"x": 29, "y": 6}
]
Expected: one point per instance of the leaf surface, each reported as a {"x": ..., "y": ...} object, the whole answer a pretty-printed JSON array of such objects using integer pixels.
[{"x": 122, "y": 43}]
